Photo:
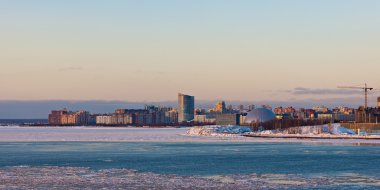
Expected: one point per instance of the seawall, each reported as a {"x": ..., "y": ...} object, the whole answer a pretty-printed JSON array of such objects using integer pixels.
[{"x": 369, "y": 127}]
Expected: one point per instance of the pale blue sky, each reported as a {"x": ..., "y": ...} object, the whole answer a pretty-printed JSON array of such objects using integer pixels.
[{"x": 213, "y": 49}]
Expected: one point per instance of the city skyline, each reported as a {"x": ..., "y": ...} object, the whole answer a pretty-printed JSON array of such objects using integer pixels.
[
  {"x": 39, "y": 109},
  {"x": 254, "y": 51}
]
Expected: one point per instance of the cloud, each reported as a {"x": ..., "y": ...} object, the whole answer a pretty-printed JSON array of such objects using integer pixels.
[
  {"x": 325, "y": 91},
  {"x": 71, "y": 69}
]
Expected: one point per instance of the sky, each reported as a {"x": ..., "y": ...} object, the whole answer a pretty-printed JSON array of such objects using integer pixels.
[{"x": 148, "y": 50}]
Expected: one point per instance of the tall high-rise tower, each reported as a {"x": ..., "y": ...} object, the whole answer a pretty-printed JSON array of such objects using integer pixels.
[{"x": 185, "y": 108}]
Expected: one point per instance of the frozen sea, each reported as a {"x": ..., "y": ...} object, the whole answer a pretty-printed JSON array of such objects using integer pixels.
[{"x": 149, "y": 159}]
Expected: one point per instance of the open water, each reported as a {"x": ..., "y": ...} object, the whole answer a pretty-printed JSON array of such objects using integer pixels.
[{"x": 199, "y": 158}]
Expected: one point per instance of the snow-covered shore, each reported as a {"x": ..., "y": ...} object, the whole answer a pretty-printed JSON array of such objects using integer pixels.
[
  {"x": 320, "y": 133},
  {"x": 333, "y": 131},
  {"x": 218, "y": 131},
  {"x": 103, "y": 134}
]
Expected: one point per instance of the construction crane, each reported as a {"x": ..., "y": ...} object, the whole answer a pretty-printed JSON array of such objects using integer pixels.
[{"x": 365, "y": 88}]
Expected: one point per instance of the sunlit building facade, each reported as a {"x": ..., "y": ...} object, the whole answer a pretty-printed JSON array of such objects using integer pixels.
[{"x": 185, "y": 108}]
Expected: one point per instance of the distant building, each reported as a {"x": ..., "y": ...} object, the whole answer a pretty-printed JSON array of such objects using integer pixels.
[
  {"x": 144, "y": 119},
  {"x": 92, "y": 120},
  {"x": 151, "y": 115},
  {"x": 339, "y": 117},
  {"x": 200, "y": 118},
  {"x": 130, "y": 111},
  {"x": 230, "y": 108},
  {"x": 281, "y": 110},
  {"x": 227, "y": 119},
  {"x": 104, "y": 119},
  {"x": 171, "y": 117},
  {"x": 325, "y": 116},
  {"x": 341, "y": 110},
  {"x": 220, "y": 107},
  {"x": 64, "y": 117},
  {"x": 55, "y": 117},
  {"x": 369, "y": 115},
  {"x": 266, "y": 107},
  {"x": 320, "y": 109},
  {"x": 121, "y": 119},
  {"x": 162, "y": 115},
  {"x": 199, "y": 111},
  {"x": 259, "y": 115},
  {"x": 185, "y": 108},
  {"x": 242, "y": 118},
  {"x": 251, "y": 107},
  {"x": 309, "y": 113}
]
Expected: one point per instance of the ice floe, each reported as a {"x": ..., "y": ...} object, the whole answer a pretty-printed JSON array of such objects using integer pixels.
[{"x": 85, "y": 178}]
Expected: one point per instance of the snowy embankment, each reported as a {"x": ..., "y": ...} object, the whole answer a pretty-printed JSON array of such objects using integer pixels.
[
  {"x": 334, "y": 131},
  {"x": 218, "y": 131}
]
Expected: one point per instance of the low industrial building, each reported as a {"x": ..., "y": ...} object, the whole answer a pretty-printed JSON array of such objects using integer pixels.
[{"x": 227, "y": 119}]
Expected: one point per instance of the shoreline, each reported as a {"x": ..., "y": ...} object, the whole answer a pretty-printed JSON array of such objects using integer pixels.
[
  {"x": 132, "y": 134},
  {"x": 93, "y": 126},
  {"x": 312, "y": 137}
]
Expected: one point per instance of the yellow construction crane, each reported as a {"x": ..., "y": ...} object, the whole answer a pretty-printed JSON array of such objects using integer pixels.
[{"x": 365, "y": 88}]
